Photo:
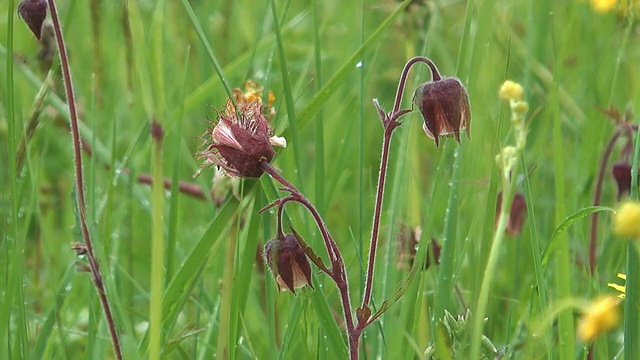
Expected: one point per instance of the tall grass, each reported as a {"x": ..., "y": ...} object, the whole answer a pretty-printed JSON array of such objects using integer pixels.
[{"x": 184, "y": 275}]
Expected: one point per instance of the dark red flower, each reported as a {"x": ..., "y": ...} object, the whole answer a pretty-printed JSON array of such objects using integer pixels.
[
  {"x": 288, "y": 263},
  {"x": 621, "y": 172},
  {"x": 408, "y": 239},
  {"x": 444, "y": 105},
  {"x": 517, "y": 216},
  {"x": 241, "y": 138},
  {"x": 33, "y": 12}
]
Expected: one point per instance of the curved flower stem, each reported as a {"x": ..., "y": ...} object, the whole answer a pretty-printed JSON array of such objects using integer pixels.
[
  {"x": 435, "y": 76},
  {"x": 622, "y": 129},
  {"x": 338, "y": 271},
  {"x": 596, "y": 198},
  {"x": 389, "y": 122},
  {"x": 80, "y": 196}
]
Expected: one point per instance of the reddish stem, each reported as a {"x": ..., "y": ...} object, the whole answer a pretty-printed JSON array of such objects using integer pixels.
[
  {"x": 597, "y": 196},
  {"x": 389, "y": 122},
  {"x": 80, "y": 196},
  {"x": 338, "y": 271}
]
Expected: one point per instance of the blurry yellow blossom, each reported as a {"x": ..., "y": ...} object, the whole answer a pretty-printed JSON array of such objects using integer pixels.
[
  {"x": 511, "y": 91},
  {"x": 601, "y": 316},
  {"x": 626, "y": 222},
  {"x": 602, "y": 6},
  {"x": 621, "y": 288}
]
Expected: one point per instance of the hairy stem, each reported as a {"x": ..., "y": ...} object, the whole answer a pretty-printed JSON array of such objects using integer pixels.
[
  {"x": 389, "y": 122},
  {"x": 338, "y": 272},
  {"x": 80, "y": 196}
]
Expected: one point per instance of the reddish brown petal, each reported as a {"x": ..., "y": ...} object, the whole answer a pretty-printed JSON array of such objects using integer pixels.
[{"x": 33, "y": 12}]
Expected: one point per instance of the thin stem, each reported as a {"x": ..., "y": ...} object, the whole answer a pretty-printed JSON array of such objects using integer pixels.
[
  {"x": 80, "y": 196},
  {"x": 338, "y": 272},
  {"x": 331, "y": 246},
  {"x": 389, "y": 121},
  {"x": 376, "y": 217},
  {"x": 435, "y": 76},
  {"x": 597, "y": 196}
]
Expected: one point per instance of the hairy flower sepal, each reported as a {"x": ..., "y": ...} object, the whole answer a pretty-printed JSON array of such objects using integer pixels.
[
  {"x": 241, "y": 138},
  {"x": 288, "y": 263},
  {"x": 444, "y": 105}
]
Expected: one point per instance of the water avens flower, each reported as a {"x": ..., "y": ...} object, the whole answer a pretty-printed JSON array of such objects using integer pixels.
[
  {"x": 444, "y": 105},
  {"x": 621, "y": 172},
  {"x": 626, "y": 222},
  {"x": 241, "y": 138},
  {"x": 517, "y": 216},
  {"x": 33, "y": 12},
  {"x": 600, "y": 317},
  {"x": 288, "y": 263}
]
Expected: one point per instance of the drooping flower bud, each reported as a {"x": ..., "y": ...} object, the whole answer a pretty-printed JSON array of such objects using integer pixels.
[
  {"x": 444, "y": 105},
  {"x": 621, "y": 172},
  {"x": 288, "y": 263},
  {"x": 241, "y": 138},
  {"x": 33, "y": 12},
  {"x": 408, "y": 240},
  {"x": 517, "y": 216}
]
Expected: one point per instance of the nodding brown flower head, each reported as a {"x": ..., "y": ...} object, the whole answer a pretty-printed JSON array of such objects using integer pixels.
[
  {"x": 33, "y": 12},
  {"x": 444, "y": 105},
  {"x": 621, "y": 172},
  {"x": 241, "y": 138},
  {"x": 288, "y": 263},
  {"x": 517, "y": 216},
  {"x": 408, "y": 240}
]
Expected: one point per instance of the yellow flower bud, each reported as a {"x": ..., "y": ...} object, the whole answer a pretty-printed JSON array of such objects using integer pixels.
[
  {"x": 601, "y": 316},
  {"x": 626, "y": 222},
  {"x": 520, "y": 107},
  {"x": 511, "y": 91}
]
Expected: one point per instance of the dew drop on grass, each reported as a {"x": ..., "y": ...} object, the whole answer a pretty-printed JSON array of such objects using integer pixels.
[{"x": 359, "y": 64}]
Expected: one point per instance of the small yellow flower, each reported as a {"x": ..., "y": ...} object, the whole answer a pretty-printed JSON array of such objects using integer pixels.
[
  {"x": 511, "y": 91},
  {"x": 621, "y": 288},
  {"x": 626, "y": 222},
  {"x": 600, "y": 317},
  {"x": 602, "y": 6}
]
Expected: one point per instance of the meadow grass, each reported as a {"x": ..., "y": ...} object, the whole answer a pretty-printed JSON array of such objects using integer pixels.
[{"x": 183, "y": 274}]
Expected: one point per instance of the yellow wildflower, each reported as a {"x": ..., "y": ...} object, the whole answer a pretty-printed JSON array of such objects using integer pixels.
[
  {"x": 511, "y": 91},
  {"x": 602, "y": 6},
  {"x": 626, "y": 222},
  {"x": 601, "y": 316},
  {"x": 621, "y": 288}
]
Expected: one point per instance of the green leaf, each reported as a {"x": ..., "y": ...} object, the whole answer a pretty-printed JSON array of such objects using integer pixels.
[{"x": 568, "y": 221}]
